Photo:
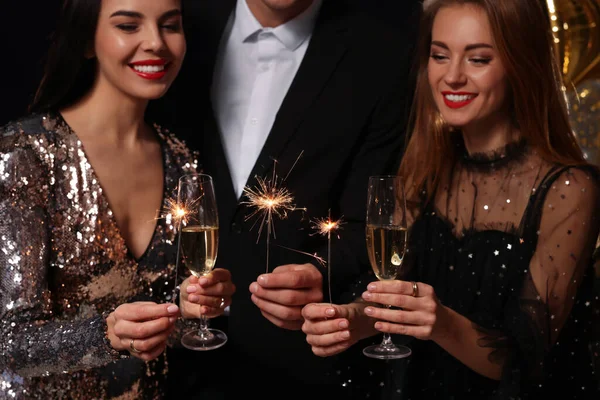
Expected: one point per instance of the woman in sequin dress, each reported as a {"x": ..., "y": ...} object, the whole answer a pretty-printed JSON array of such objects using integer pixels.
[
  {"x": 503, "y": 221},
  {"x": 86, "y": 239}
]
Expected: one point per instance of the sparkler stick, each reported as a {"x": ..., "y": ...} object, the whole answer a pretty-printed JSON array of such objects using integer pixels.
[
  {"x": 270, "y": 199},
  {"x": 324, "y": 226}
]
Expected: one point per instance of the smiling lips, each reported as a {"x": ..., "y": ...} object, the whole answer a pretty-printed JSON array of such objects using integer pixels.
[
  {"x": 458, "y": 99},
  {"x": 150, "y": 69}
]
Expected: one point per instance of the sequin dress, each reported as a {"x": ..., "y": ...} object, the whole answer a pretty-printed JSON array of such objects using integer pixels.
[
  {"x": 64, "y": 266},
  {"x": 507, "y": 242}
]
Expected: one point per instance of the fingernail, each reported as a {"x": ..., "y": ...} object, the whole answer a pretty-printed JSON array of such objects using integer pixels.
[
  {"x": 172, "y": 309},
  {"x": 343, "y": 324},
  {"x": 378, "y": 325},
  {"x": 172, "y": 320},
  {"x": 262, "y": 279},
  {"x": 253, "y": 287},
  {"x": 345, "y": 334},
  {"x": 366, "y": 295},
  {"x": 203, "y": 281},
  {"x": 330, "y": 312},
  {"x": 193, "y": 298},
  {"x": 191, "y": 289},
  {"x": 368, "y": 311},
  {"x": 372, "y": 287}
]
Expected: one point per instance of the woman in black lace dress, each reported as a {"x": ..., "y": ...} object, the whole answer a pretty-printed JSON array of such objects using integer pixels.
[
  {"x": 87, "y": 258},
  {"x": 503, "y": 213}
]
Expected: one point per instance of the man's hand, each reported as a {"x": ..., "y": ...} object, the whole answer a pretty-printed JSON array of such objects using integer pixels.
[
  {"x": 207, "y": 295},
  {"x": 282, "y": 294}
]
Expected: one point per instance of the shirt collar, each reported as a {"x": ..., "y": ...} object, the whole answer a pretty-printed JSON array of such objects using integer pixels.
[{"x": 292, "y": 34}]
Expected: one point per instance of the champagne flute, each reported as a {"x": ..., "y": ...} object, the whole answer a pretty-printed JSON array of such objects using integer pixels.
[
  {"x": 199, "y": 242},
  {"x": 386, "y": 233}
]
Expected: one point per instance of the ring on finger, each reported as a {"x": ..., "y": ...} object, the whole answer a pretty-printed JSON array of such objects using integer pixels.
[
  {"x": 415, "y": 289},
  {"x": 222, "y": 302},
  {"x": 132, "y": 347}
]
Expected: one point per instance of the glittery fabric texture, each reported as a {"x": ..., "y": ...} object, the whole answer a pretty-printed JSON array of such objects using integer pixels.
[{"x": 64, "y": 264}]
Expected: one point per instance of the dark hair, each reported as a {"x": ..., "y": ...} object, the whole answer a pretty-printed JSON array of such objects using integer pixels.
[
  {"x": 68, "y": 73},
  {"x": 523, "y": 36}
]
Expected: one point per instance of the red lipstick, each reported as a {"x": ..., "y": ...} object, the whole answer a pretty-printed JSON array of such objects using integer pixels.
[
  {"x": 155, "y": 75},
  {"x": 458, "y": 104}
]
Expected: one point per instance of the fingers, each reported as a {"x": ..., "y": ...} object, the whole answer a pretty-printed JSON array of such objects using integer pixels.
[
  {"x": 400, "y": 287},
  {"x": 294, "y": 325},
  {"x": 325, "y": 327},
  {"x": 292, "y": 276},
  {"x": 277, "y": 310},
  {"x": 148, "y": 344},
  {"x": 144, "y": 311},
  {"x": 210, "y": 307},
  {"x": 418, "y": 331},
  {"x": 152, "y": 354},
  {"x": 329, "y": 339},
  {"x": 141, "y": 330},
  {"x": 288, "y": 297},
  {"x": 400, "y": 316},
  {"x": 396, "y": 300},
  {"x": 319, "y": 311},
  {"x": 331, "y": 350}
]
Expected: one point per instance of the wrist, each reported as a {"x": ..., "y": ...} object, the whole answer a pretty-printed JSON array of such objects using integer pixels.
[{"x": 444, "y": 326}]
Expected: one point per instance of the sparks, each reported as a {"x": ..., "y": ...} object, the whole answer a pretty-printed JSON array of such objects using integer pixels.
[
  {"x": 318, "y": 259},
  {"x": 324, "y": 226},
  {"x": 270, "y": 199},
  {"x": 178, "y": 214}
]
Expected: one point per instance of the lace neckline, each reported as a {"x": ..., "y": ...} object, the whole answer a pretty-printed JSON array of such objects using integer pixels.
[{"x": 492, "y": 159}]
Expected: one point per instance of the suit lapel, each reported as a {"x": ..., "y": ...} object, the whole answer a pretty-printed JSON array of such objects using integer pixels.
[
  {"x": 210, "y": 20},
  {"x": 326, "y": 49}
]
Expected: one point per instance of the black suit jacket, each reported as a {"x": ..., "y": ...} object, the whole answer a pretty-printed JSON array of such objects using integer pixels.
[{"x": 346, "y": 112}]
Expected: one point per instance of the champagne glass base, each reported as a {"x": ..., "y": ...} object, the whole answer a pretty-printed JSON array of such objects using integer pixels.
[
  {"x": 195, "y": 341},
  {"x": 391, "y": 352}
]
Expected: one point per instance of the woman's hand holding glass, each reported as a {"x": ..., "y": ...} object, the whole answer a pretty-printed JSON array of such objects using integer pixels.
[
  {"x": 331, "y": 329},
  {"x": 142, "y": 328},
  {"x": 421, "y": 315},
  {"x": 208, "y": 295}
]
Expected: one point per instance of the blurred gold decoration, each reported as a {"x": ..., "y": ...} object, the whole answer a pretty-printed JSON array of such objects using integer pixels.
[{"x": 576, "y": 30}]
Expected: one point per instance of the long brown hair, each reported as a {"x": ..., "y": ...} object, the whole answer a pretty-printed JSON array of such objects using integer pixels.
[{"x": 523, "y": 37}]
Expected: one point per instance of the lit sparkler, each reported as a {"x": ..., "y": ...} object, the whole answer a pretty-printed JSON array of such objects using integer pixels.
[
  {"x": 324, "y": 226},
  {"x": 177, "y": 213},
  {"x": 270, "y": 199}
]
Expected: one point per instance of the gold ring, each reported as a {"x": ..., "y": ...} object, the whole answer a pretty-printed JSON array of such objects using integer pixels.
[
  {"x": 222, "y": 302},
  {"x": 415, "y": 292},
  {"x": 132, "y": 347}
]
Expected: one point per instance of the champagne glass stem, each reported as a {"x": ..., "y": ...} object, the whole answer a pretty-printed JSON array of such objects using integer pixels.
[
  {"x": 387, "y": 341},
  {"x": 203, "y": 332}
]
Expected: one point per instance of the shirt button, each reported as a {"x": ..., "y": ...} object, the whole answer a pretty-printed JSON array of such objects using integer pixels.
[{"x": 236, "y": 228}]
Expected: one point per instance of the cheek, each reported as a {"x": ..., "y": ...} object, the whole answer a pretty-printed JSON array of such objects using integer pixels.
[
  {"x": 111, "y": 49},
  {"x": 178, "y": 47}
]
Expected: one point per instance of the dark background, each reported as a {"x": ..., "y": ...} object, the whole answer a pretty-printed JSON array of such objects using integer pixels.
[{"x": 26, "y": 29}]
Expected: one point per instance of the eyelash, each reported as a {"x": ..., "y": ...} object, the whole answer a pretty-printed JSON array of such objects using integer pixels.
[
  {"x": 130, "y": 28},
  {"x": 477, "y": 61}
]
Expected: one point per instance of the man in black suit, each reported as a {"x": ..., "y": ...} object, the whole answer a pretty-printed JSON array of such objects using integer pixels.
[{"x": 269, "y": 80}]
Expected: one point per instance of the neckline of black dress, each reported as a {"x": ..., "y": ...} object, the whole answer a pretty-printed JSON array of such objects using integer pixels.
[{"x": 493, "y": 159}]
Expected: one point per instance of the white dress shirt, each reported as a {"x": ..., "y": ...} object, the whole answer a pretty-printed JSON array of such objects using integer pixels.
[{"x": 253, "y": 72}]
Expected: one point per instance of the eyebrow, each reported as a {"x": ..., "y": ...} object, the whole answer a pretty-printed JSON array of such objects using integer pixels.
[
  {"x": 468, "y": 47},
  {"x": 135, "y": 14}
]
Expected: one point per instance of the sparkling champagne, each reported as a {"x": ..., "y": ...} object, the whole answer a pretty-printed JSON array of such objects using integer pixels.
[
  {"x": 386, "y": 246},
  {"x": 199, "y": 245}
]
